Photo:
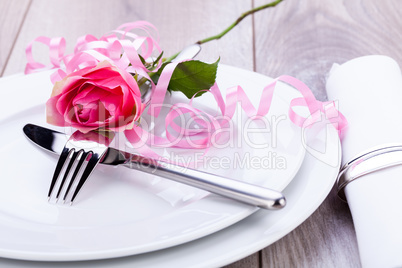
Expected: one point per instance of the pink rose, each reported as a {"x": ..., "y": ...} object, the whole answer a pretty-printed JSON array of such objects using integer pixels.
[{"x": 95, "y": 97}]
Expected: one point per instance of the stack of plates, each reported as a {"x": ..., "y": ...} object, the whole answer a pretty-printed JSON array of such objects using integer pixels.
[{"x": 124, "y": 217}]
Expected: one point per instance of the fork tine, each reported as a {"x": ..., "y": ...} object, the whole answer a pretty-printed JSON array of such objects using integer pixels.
[
  {"x": 92, "y": 163},
  {"x": 83, "y": 156},
  {"x": 60, "y": 164},
  {"x": 70, "y": 164},
  {"x": 80, "y": 147}
]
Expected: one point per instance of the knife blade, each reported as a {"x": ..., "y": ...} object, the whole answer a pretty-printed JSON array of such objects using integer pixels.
[{"x": 53, "y": 141}]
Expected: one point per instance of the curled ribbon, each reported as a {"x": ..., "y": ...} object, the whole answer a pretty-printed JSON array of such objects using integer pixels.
[{"x": 126, "y": 52}]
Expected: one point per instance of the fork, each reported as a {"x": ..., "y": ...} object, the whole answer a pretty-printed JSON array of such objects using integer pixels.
[{"x": 79, "y": 147}]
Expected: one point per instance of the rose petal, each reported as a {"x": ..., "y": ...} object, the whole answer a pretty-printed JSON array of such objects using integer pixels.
[
  {"x": 52, "y": 114},
  {"x": 101, "y": 96}
]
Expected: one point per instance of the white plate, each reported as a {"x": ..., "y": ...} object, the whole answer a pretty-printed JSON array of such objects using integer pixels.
[
  {"x": 120, "y": 211},
  {"x": 304, "y": 194}
]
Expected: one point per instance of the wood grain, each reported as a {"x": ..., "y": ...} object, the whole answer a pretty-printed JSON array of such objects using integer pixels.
[
  {"x": 12, "y": 14},
  {"x": 304, "y": 38},
  {"x": 178, "y": 23},
  {"x": 252, "y": 261}
]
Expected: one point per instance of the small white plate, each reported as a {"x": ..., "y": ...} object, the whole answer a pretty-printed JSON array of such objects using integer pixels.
[{"x": 123, "y": 212}]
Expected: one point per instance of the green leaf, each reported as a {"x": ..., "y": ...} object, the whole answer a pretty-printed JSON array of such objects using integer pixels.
[
  {"x": 150, "y": 65},
  {"x": 155, "y": 62},
  {"x": 142, "y": 60},
  {"x": 190, "y": 77}
]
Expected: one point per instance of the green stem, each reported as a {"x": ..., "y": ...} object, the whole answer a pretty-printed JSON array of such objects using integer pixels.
[
  {"x": 172, "y": 57},
  {"x": 218, "y": 36},
  {"x": 142, "y": 81},
  {"x": 239, "y": 19}
]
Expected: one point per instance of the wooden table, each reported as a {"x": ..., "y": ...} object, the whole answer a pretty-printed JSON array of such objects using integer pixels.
[{"x": 298, "y": 38}]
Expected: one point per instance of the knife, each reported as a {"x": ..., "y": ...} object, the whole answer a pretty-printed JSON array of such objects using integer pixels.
[{"x": 251, "y": 194}]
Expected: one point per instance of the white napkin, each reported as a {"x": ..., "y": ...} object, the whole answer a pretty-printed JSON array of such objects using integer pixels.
[{"x": 369, "y": 91}]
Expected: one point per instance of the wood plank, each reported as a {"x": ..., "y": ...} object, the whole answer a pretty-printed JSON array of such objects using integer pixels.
[
  {"x": 304, "y": 39},
  {"x": 179, "y": 23},
  {"x": 12, "y": 14},
  {"x": 249, "y": 262}
]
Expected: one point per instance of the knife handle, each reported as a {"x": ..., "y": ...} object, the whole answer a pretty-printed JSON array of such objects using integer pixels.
[{"x": 241, "y": 191}]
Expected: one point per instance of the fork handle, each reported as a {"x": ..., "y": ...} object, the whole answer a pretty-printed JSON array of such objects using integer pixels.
[{"x": 234, "y": 189}]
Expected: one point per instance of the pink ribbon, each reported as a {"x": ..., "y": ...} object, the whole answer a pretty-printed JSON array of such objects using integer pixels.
[
  {"x": 56, "y": 52},
  {"x": 210, "y": 124},
  {"x": 125, "y": 53}
]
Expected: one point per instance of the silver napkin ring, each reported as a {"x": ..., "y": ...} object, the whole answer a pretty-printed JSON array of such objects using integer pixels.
[{"x": 368, "y": 162}]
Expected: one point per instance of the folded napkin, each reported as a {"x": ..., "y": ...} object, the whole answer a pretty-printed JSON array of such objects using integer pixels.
[{"x": 369, "y": 94}]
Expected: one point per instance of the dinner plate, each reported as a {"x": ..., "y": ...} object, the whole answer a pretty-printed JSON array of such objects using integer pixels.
[
  {"x": 123, "y": 212},
  {"x": 304, "y": 194}
]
